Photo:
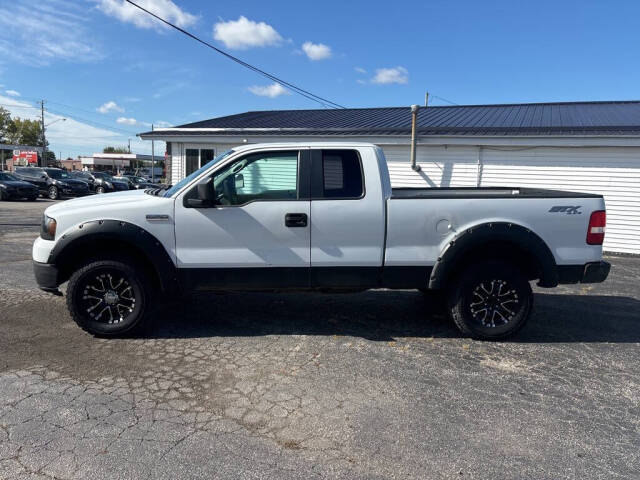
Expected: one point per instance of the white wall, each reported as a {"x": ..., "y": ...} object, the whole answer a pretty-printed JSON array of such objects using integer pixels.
[{"x": 611, "y": 171}]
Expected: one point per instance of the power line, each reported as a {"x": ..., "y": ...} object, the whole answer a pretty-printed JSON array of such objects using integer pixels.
[
  {"x": 75, "y": 117},
  {"x": 290, "y": 86},
  {"x": 443, "y": 99}
]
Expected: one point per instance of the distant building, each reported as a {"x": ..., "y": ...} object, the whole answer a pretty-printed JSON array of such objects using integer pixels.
[
  {"x": 12, "y": 156},
  {"x": 115, "y": 162},
  {"x": 577, "y": 146}
]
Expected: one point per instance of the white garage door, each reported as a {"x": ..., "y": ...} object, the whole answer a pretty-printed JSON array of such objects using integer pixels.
[{"x": 613, "y": 172}]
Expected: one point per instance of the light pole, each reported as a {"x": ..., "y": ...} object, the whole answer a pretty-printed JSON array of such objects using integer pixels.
[{"x": 44, "y": 142}]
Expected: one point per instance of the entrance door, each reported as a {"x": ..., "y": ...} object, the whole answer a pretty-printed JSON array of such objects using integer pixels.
[{"x": 258, "y": 233}]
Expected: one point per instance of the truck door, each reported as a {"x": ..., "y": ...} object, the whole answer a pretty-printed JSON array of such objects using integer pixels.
[
  {"x": 347, "y": 218},
  {"x": 258, "y": 233}
]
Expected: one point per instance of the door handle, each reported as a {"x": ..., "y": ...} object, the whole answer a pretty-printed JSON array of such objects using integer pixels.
[{"x": 295, "y": 220}]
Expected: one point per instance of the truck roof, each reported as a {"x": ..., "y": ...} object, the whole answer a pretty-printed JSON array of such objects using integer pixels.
[{"x": 251, "y": 146}]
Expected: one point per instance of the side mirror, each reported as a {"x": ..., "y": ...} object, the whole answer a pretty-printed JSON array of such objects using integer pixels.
[
  {"x": 239, "y": 181},
  {"x": 205, "y": 195}
]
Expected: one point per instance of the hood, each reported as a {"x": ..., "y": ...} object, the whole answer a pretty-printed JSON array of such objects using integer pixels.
[
  {"x": 71, "y": 181},
  {"x": 17, "y": 183},
  {"x": 94, "y": 201}
]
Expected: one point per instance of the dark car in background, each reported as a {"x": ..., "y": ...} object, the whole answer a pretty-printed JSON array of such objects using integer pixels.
[
  {"x": 100, "y": 182},
  {"x": 54, "y": 183},
  {"x": 136, "y": 183},
  {"x": 12, "y": 187},
  {"x": 108, "y": 179}
]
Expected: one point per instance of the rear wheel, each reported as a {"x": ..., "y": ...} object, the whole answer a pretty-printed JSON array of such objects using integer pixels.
[
  {"x": 490, "y": 300},
  {"x": 109, "y": 297},
  {"x": 53, "y": 193}
]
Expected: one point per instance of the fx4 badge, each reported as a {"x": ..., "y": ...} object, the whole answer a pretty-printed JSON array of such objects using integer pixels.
[{"x": 566, "y": 209}]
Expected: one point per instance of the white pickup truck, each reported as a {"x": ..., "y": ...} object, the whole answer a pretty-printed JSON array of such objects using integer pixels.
[{"x": 317, "y": 216}]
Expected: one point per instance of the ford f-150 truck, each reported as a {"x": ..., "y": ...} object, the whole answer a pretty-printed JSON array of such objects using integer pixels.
[{"x": 317, "y": 216}]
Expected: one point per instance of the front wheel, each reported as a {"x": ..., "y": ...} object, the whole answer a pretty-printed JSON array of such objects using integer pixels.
[
  {"x": 99, "y": 189},
  {"x": 490, "y": 300},
  {"x": 109, "y": 297},
  {"x": 53, "y": 193}
]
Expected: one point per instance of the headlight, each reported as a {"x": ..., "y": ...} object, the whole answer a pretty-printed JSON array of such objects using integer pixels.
[
  {"x": 109, "y": 184},
  {"x": 48, "y": 230},
  {"x": 2, "y": 186},
  {"x": 62, "y": 184}
]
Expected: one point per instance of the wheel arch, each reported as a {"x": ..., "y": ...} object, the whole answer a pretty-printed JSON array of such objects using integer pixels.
[
  {"x": 108, "y": 238},
  {"x": 500, "y": 241}
]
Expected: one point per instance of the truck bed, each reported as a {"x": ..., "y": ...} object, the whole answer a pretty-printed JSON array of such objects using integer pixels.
[{"x": 483, "y": 192}]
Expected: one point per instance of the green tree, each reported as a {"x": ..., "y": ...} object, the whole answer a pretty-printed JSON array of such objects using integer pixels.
[
  {"x": 5, "y": 122},
  {"x": 25, "y": 132},
  {"x": 115, "y": 150}
]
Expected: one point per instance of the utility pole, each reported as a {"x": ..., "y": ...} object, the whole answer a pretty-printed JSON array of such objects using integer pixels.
[
  {"x": 426, "y": 99},
  {"x": 153, "y": 160},
  {"x": 44, "y": 141},
  {"x": 129, "y": 145}
]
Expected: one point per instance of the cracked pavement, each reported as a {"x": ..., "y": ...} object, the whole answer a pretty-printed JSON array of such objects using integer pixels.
[{"x": 370, "y": 385}]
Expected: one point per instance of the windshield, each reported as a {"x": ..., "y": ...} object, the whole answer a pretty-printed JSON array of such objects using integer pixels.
[
  {"x": 57, "y": 174},
  {"x": 103, "y": 176},
  {"x": 7, "y": 176},
  {"x": 195, "y": 174}
]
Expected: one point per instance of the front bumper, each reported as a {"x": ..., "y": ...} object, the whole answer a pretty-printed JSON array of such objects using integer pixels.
[
  {"x": 594, "y": 272},
  {"x": 46, "y": 277}
]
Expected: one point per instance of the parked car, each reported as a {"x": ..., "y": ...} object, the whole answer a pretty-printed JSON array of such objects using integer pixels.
[
  {"x": 136, "y": 183},
  {"x": 108, "y": 179},
  {"x": 324, "y": 217},
  {"x": 12, "y": 187},
  {"x": 54, "y": 183},
  {"x": 99, "y": 182}
]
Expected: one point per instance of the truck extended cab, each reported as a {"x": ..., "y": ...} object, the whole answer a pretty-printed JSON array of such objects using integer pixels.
[{"x": 317, "y": 216}]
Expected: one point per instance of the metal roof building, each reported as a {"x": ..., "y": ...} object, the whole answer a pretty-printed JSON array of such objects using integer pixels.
[{"x": 580, "y": 146}]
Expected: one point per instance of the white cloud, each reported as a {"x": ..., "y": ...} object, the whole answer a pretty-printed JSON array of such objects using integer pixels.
[
  {"x": 110, "y": 107},
  {"x": 37, "y": 33},
  {"x": 244, "y": 33},
  {"x": 316, "y": 51},
  {"x": 12, "y": 93},
  {"x": 272, "y": 91},
  {"x": 131, "y": 121},
  {"x": 385, "y": 76},
  {"x": 360, "y": 70},
  {"x": 126, "y": 121},
  {"x": 125, "y": 12},
  {"x": 162, "y": 124}
]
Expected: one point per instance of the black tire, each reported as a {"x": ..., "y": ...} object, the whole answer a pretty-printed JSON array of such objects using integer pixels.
[
  {"x": 99, "y": 189},
  {"x": 490, "y": 300},
  {"x": 121, "y": 286},
  {"x": 53, "y": 193}
]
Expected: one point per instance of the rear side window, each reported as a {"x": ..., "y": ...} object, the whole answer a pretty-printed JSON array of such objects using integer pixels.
[{"x": 341, "y": 174}]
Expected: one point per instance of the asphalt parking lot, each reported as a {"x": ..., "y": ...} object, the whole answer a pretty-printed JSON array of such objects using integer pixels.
[{"x": 371, "y": 385}]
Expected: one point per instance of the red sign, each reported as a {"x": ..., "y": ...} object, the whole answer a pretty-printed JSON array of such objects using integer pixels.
[{"x": 24, "y": 157}]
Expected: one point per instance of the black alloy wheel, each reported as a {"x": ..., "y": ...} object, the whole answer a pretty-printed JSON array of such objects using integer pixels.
[
  {"x": 490, "y": 300},
  {"x": 108, "y": 297}
]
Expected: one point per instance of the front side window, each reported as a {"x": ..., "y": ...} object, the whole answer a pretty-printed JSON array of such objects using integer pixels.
[{"x": 262, "y": 176}]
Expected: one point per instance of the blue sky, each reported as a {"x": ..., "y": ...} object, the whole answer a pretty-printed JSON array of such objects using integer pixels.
[{"x": 111, "y": 71}]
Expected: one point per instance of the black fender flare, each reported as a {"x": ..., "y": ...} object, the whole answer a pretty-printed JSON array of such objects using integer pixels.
[
  {"x": 485, "y": 233},
  {"x": 119, "y": 231}
]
